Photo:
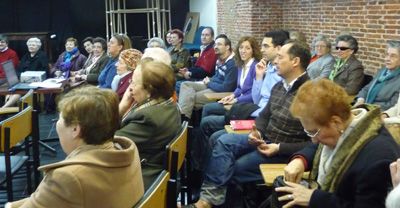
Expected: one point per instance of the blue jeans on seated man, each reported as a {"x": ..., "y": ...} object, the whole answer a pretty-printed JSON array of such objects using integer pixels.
[
  {"x": 233, "y": 160},
  {"x": 213, "y": 109}
]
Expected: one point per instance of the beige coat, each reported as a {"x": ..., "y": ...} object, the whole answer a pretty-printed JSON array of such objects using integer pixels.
[{"x": 107, "y": 175}]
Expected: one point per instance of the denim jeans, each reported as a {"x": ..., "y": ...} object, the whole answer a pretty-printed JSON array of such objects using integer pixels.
[
  {"x": 213, "y": 109},
  {"x": 234, "y": 160}
]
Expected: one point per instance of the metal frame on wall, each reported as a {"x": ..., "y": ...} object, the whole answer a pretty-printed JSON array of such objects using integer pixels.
[{"x": 158, "y": 17}]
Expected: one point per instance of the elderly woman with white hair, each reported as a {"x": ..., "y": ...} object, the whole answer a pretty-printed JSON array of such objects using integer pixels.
[
  {"x": 35, "y": 59},
  {"x": 156, "y": 42}
]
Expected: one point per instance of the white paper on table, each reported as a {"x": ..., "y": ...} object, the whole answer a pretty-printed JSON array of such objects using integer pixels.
[{"x": 49, "y": 83}]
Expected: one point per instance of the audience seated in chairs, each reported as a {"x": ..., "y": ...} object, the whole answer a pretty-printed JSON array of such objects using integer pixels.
[
  {"x": 266, "y": 77},
  {"x": 247, "y": 55},
  {"x": 192, "y": 94},
  {"x": 179, "y": 55},
  {"x": 91, "y": 72},
  {"x": 205, "y": 63},
  {"x": 99, "y": 171},
  {"x": 322, "y": 61},
  {"x": 34, "y": 60},
  {"x": 348, "y": 72},
  {"x": 351, "y": 156},
  {"x": 71, "y": 60},
  {"x": 153, "y": 119},
  {"x": 236, "y": 157},
  {"x": 127, "y": 62},
  {"x": 384, "y": 89},
  {"x": 117, "y": 43}
]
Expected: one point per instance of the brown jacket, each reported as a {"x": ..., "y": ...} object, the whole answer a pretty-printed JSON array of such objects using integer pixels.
[
  {"x": 350, "y": 76},
  {"x": 91, "y": 176}
]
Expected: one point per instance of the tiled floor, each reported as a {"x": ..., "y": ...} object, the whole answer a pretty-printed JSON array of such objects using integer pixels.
[{"x": 47, "y": 130}]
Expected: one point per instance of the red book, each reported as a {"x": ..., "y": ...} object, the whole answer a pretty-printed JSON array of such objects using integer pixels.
[{"x": 242, "y": 124}]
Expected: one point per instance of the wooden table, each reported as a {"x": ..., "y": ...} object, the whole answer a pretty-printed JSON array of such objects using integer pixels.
[
  {"x": 214, "y": 96},
  {"x": 271, "y": 171}
]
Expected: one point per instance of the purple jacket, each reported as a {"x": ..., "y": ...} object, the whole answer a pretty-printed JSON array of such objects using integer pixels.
[
  {"x": 77, "y": 62},
  {"x": 243, "y": 94}
]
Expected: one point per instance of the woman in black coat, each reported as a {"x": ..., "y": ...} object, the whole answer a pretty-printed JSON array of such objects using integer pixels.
[{"x": 351, "y": 154}]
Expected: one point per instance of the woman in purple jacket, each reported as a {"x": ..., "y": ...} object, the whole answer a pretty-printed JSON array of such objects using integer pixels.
[
  {"x": 70, "y": 60},
  {"x": 247, "y": 55}
]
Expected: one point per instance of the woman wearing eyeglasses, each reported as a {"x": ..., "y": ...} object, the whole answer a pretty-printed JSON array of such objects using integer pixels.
[
  {"x": 322, "y": 62},
  {"x": 347, "y": 71},
  {"x": 351, "y": 154}
]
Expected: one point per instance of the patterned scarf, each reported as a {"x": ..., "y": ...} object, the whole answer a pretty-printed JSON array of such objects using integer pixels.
[{"x": 363, "y": 132}]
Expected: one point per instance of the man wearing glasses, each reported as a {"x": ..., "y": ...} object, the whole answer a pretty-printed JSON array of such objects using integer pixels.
[{"x": 277, "y": 134}]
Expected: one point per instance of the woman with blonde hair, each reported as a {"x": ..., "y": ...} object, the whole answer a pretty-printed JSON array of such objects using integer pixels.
[
  {"x": 350, "y": 155},
  {"x": 127, "y": 62}
]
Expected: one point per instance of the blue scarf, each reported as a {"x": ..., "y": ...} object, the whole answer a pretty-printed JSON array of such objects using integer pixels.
[
  {"x": 66, "y": 65},
  {"x": 379, "y": 82}
]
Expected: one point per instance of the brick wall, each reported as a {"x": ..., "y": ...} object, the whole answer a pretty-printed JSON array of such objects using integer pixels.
[{"x": 371, "y": 22}]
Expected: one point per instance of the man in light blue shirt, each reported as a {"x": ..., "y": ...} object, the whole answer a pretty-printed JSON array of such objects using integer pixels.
[{"x": 266, "y": 78}]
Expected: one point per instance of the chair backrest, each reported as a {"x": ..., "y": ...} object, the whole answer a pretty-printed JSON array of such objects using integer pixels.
[
  {"x": 156, "y": 195},
  {"x": 18, "y": 127},
  {"x": 26, "y": 100},
  {"x": 178, "y": 144}
]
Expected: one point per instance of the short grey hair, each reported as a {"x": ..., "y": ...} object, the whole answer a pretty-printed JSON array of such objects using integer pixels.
[
  {"x": 34, "y": 40},
  {"x": 157, "y": 54},
  {"x": 157, "y": 40},
  {"x": 353, "y": 44},
  {"x": 394, "y": 44},
  {"x": 323, "y": 38}
]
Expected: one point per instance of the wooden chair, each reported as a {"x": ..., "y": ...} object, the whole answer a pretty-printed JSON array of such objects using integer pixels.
[
  {"x": 26, "y": 100},
  {"x": 176, "y": 153},
  {"x": 156, "y": 195},
  {"x": 14, "y": 134}
]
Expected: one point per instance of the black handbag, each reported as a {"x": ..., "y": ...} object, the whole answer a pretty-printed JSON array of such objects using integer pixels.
[{"x": 280, "y": 182}]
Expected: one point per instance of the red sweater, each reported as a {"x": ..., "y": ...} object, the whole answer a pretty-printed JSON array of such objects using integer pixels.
[
  {"x": 205, "y": 64},
  {"x": 6, "y": 55},
  {"x": 123, "y": 85}
]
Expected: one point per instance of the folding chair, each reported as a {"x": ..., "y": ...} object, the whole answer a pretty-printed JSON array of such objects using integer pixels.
[
  {"x": 14, "y": 133},
  {"x": 156, "y": 195},
  {"x": 176, "y": 152},
  {"x": 26, "y": 100}
]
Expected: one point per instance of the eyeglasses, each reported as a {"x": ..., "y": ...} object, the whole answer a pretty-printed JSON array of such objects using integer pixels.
[
  {"x": 342, "y": 48},
  {"x": 312, "y": 134}
]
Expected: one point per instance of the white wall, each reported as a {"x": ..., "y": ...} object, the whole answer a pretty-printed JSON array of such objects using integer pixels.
[{"x": 207, "y": 10}]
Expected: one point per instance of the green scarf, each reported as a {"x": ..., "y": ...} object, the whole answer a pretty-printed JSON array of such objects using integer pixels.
[
  {"x": 339, "y": 63},
  {"x": 363, "y": 132}
]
